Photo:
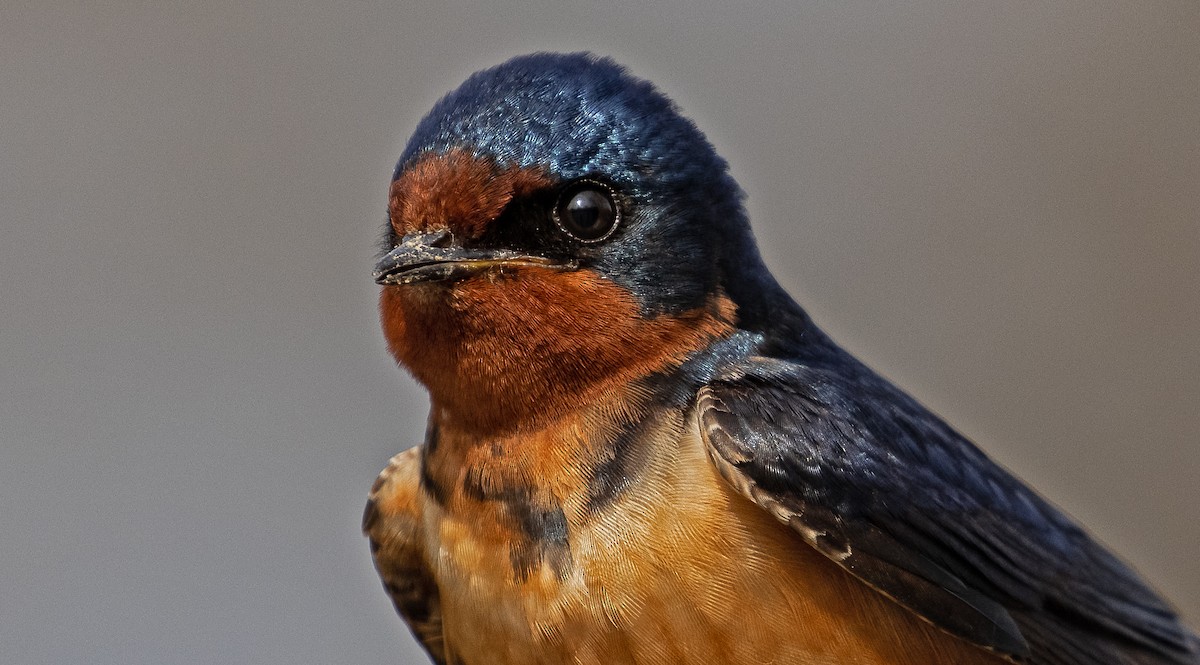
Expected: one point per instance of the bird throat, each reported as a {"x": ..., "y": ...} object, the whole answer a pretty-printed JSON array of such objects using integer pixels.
[{"x": 528, "y": 346}]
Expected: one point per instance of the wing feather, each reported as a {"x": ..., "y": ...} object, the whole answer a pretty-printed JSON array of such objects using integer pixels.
[
  {"x": 393, "y": 525},
  {"x": 894, "y": 495}
]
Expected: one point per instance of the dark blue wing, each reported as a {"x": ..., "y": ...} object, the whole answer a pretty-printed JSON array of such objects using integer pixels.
[{"x": 889, "y": 491}]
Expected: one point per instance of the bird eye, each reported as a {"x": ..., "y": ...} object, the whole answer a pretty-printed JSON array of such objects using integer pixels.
[{"x": 587, "y": 211}]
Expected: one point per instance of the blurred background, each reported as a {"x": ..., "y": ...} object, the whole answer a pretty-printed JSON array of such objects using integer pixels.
[{"x": 995, "y": 204}]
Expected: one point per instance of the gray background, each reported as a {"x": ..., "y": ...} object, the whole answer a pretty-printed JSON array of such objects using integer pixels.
[{"x": 994, "y": 204}]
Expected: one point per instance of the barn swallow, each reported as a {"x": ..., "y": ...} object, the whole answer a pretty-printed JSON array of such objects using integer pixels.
[{"x": 641, "y": 450}]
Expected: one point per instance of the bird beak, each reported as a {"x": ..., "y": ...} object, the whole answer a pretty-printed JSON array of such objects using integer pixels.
[{"x": 433, "y": 257}]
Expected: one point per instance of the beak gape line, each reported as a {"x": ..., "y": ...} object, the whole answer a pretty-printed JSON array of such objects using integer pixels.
[{"x": 427, "y": 257}]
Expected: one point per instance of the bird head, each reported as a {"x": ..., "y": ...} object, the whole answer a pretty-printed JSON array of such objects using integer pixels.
[{"x": 557, "y": 228}]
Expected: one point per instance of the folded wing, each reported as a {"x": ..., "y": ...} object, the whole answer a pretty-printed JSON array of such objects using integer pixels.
[{"x": 890, "y": 492}]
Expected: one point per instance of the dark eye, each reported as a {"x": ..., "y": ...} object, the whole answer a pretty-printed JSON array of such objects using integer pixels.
[{"x": 587, "y": 211}]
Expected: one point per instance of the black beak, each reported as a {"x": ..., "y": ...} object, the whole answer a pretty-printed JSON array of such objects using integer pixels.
[{"x": 432, "y": 257}]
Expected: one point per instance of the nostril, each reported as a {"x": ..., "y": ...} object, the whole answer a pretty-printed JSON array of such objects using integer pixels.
[{"x": 441, "y": 239}]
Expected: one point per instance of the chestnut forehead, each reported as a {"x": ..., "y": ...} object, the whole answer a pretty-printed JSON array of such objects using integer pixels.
[{"x": 458, "y": 191}]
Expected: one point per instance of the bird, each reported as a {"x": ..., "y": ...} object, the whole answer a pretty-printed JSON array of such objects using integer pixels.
[{"x": 641, "y": 450}]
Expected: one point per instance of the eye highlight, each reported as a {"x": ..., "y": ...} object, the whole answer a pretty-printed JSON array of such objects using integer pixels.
[{"x": 587, "y": 211}]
